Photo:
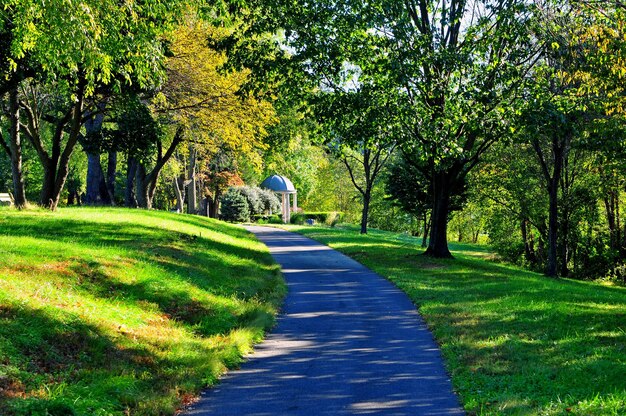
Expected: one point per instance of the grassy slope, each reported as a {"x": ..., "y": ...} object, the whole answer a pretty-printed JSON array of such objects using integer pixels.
[
  {"x": 114, "y": 311},
  {"x": 515, "y": 342}
]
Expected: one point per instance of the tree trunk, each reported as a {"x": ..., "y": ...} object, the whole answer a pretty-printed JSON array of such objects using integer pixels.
[
  {"x": 438, "y": 244},
  {"x": 551, "y": 269},
  {"x": 179, "y": 196},
  {"x": 427, "y": 221},
  {"x": 529, "y": 250},
  {"x": 214, "y": 205},
  {"x": 367, "y": 196},
  {"x": 63, "y": 157},
  {"x": 191, "y": 188},
  {"x": 143, "y": 200},
  {"x": 47, "y": 189},
  {"x": 129, "y": 199},
  {"x": 111, "y": 174},
  {"x": 94, "y": 178},
  {"x": 15, "y": 145}
]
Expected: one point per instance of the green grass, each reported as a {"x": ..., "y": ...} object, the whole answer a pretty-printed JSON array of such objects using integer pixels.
[
  {"x": 117, "y": 312},
  {"x": 514, "y": 342}
]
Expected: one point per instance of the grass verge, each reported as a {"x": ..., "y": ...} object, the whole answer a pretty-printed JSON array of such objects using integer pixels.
[
  {"x": 514, "y": 342},
  {"x": 117, "y": 312}
]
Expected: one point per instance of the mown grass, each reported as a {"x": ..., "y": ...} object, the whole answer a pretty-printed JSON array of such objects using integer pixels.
[
  {"x": 117, "y": 312},
  {"x": 515, "y": 342}
]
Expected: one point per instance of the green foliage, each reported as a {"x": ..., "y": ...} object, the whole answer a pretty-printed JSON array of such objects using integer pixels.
[
  {"x": 141, "y": 309},
  {"x": 269, "y": 200},
  {"x": 514, "y": 341},
  {"x": 253, "y": 197},
  {"x": 234, "y": 206}
]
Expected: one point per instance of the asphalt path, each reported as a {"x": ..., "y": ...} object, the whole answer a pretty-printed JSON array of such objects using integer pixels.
[{"x": 347, "y": 342}]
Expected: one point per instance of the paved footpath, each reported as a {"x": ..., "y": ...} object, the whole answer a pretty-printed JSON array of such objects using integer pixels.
[{"x": 347, "y": 343}]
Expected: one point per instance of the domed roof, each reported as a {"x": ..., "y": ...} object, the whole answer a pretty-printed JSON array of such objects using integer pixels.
[{"x": 279, "y": 183}]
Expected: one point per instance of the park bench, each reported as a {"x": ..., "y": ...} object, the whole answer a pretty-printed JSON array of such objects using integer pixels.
[{"x": 6, "y": 199}]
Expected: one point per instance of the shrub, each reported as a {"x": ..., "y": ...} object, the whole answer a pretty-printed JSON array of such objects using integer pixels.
[
  {"x": 252, "y": 195},
  {"x": 235, "y": 207},
  {"x": 298, "y": 218},
  {"x": 269, "y": 200}
]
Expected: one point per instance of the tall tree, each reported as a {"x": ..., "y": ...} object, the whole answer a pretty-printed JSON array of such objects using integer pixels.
[
  {"x": 73, "y": 51},
  {"x": 454, "y": 67},
  {"x": 360, "y": 131}
]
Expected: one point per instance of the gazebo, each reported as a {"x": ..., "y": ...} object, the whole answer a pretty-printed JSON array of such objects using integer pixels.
[{"x": 283, "y": 186}]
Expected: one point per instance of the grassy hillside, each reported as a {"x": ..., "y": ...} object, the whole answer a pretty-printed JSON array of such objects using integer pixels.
[
  {"x": 515, "y": 342},
  {"x": 116, "y": 312}
]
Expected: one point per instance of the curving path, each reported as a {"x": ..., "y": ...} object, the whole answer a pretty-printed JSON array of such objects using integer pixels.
[{"x": 347, "y": 342}]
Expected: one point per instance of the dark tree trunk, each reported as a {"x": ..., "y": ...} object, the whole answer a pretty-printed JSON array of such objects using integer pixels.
[
  {"x": 47, "y": 190},
  {"x": 214, "y": 205},
  {"x": 73, "y": 197},
  {"x": 529, "y": 250},
  {"x": 438, "y": 244},
  {"x": 553, "y": 229},
  {"x": 427, "y": 220},
  {"x": 147, "y": 182},
  {"x": 15, "y": 146},
  {"x": 130, "y": 199},
  {"x": 367, "y": 197},
  {"x": 143, "y": 200},
  {"x": 111, "y": 174},
  {"x": 94, "y": 179}
]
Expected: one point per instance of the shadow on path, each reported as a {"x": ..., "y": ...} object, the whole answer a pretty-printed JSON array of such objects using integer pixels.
[{"x": 347, "y": 342}]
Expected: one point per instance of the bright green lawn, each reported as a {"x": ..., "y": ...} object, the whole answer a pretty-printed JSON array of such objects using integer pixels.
[
  {"x": 115, "y": 311},
  {"x": 515, "y": 342}
]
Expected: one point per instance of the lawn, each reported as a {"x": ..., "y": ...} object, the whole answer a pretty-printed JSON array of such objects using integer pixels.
[
  {"x": 515, "y": 342},
  {"x": 115, "y": 312}
]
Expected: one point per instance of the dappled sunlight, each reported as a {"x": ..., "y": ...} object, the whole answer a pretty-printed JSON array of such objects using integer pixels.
[
  {"x": 347, "y": 342},
  {"x": 515, "y": 341},
  {"x": 170, "y": 304}
]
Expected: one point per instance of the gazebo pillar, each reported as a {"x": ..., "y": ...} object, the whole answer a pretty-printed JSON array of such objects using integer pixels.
[{"x": 295, "y": 201}]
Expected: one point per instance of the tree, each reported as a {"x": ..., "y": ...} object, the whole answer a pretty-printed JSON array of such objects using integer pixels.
[
  {"x": 454, "y": 67},
  {"x": 359, "y": 127},
  {"x": 72, "y": 51},
  {"x": 206, "y": 104},
  {"x": 234, "y": 206}
]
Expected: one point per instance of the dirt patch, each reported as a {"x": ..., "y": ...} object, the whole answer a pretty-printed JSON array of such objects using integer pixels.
[{"x": 11, "y": 388}]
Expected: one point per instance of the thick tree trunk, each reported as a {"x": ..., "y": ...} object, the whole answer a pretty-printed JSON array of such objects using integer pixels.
[
  {"x": 15, "y": 145},
  {"x": 130, "y": 199},
  {"x": 141, "y": 183},
  {"x": 94, "y": 179},
  {"x": 438, "y": 244},
  {"x": 47, "y": 190},
  {"x": 367, "y": 197}
]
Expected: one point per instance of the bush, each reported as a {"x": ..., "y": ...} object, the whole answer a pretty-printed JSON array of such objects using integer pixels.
[
  {"x": 252, "y": 195},
  {"x": 235, "y": 207},
  {"x": 267, "y": 219},
  {"x": 269, "y": 200}
]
